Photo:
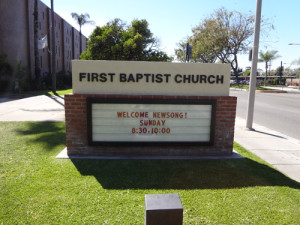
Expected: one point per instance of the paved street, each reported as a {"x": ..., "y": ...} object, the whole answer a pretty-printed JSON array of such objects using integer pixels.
[{"x": 279, "y": 112}]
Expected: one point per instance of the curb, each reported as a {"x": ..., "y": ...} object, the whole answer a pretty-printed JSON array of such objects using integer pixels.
[
  {"x": 261, "y": 91},
  {"x": 239, "y": 89},
  {"x": 64, "y": 155},
  {"x": 271, "y": 91}
]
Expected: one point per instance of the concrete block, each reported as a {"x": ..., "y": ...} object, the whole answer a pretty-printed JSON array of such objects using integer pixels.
[{"x": 163, "y": 209}]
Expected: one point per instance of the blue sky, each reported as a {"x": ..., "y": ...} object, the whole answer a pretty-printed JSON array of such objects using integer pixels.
[{"x": 171, "y": 21}]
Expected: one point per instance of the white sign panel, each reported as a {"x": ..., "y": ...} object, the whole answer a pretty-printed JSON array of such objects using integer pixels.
[
  {"x": 150, "y": 78},
  {"x": 150, "y": 122}
]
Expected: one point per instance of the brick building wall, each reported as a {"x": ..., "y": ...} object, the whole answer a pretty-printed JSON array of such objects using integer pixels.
[
  {"x": 68, "y": 43},
  {"x": 44, "y": 25},
  {"x": 77, "y": 140},
  {"x": 75, "y": 45},
  {"x": 17, "y": 36},
  {"x": 14, "y": 35}
]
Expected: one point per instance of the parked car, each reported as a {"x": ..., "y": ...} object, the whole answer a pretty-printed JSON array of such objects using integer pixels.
[{"x": 244, "y": 82}]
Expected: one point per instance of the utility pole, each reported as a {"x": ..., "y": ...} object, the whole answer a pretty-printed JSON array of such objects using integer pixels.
[
  {"x": 188, "y": 54},
  {"x": 252, "y": 85},
  {"x": 53, "y": 64}
]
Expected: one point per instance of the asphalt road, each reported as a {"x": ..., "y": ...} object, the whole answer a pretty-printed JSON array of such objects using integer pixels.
[{"x": 279, "y": 112}]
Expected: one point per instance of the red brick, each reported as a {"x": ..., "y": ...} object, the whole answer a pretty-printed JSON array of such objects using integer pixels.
[
  {"x": 181, "y": 97},
  {"x": 134, "y": 96},
  {"x": 76, "y": 104},
  {"x": 74, "y": 111},
  {"x": 193, "y": 97},
  {"x": 79, "y": 100},
  {"x": 169, "y": 97},
  {"x": 158, "y": 96},
  {"x": 69, "y": 107},
  {"x": 146, "y": 96},
  {"x": 97, "y": 96}
]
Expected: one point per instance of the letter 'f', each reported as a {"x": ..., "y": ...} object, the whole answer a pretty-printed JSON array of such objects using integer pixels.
[{"x": 81, "y": 76}]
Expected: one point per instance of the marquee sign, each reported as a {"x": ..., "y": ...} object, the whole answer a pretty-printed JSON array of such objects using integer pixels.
[
  {"x": 133, "y": 108},
  {"x": 150, "y": 78},
  {"x": 123, "y": 121}
]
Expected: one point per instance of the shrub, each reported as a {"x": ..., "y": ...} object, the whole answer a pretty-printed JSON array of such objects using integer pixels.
[
  {"x": 279, "y": 81},
  {"x": 63, "y": 80},
  {"x": 6, "y": 71}
]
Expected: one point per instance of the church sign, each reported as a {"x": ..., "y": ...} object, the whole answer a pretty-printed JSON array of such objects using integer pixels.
[
  {"x": 150, "y": 78},
  {"x": 149, "y": 108}
]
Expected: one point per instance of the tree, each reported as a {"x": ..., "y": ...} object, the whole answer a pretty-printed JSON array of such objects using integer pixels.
[
  {"x": 117, "y": 41},
  {"x": 200, "y": 52},
  {"x": 296, "y": 62},
  {"x": 267, "y": 57},
  {"x": 279, "y": 71},
  {"x": 82, "y": 19},
  {"x": 5, "y": 68},
  {"x": 221, "y": 36}
]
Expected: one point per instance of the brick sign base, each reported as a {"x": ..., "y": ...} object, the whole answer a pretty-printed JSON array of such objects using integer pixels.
[{"x": 77, "y": 130}]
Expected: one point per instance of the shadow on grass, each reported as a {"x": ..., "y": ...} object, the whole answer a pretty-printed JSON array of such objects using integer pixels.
[
  {"x": 182, "y": 174},
  {"x": 49, "y": 134}
]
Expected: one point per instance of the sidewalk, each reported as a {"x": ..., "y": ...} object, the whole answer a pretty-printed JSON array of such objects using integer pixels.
[
  {"x": 290, "y": 89},
  {"x": 37, "y": 108},
  {"x": 279, "y": 150}
]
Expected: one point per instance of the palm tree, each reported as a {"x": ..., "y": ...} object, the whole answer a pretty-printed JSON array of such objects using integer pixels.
[
  {"x": 267, "y": 57},
  {"x": 81, "y": 20}
]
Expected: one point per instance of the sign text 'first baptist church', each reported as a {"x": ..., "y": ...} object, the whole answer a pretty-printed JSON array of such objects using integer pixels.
[{"x": 104, "y": 77}]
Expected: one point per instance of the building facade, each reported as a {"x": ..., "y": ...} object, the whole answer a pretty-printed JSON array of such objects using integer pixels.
[{"x": 17, "y": 37}]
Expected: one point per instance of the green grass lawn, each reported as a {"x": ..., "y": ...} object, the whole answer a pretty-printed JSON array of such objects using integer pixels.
[
  {"x": 37, "y": 188},
  {"x": 47, "y": 92}
]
